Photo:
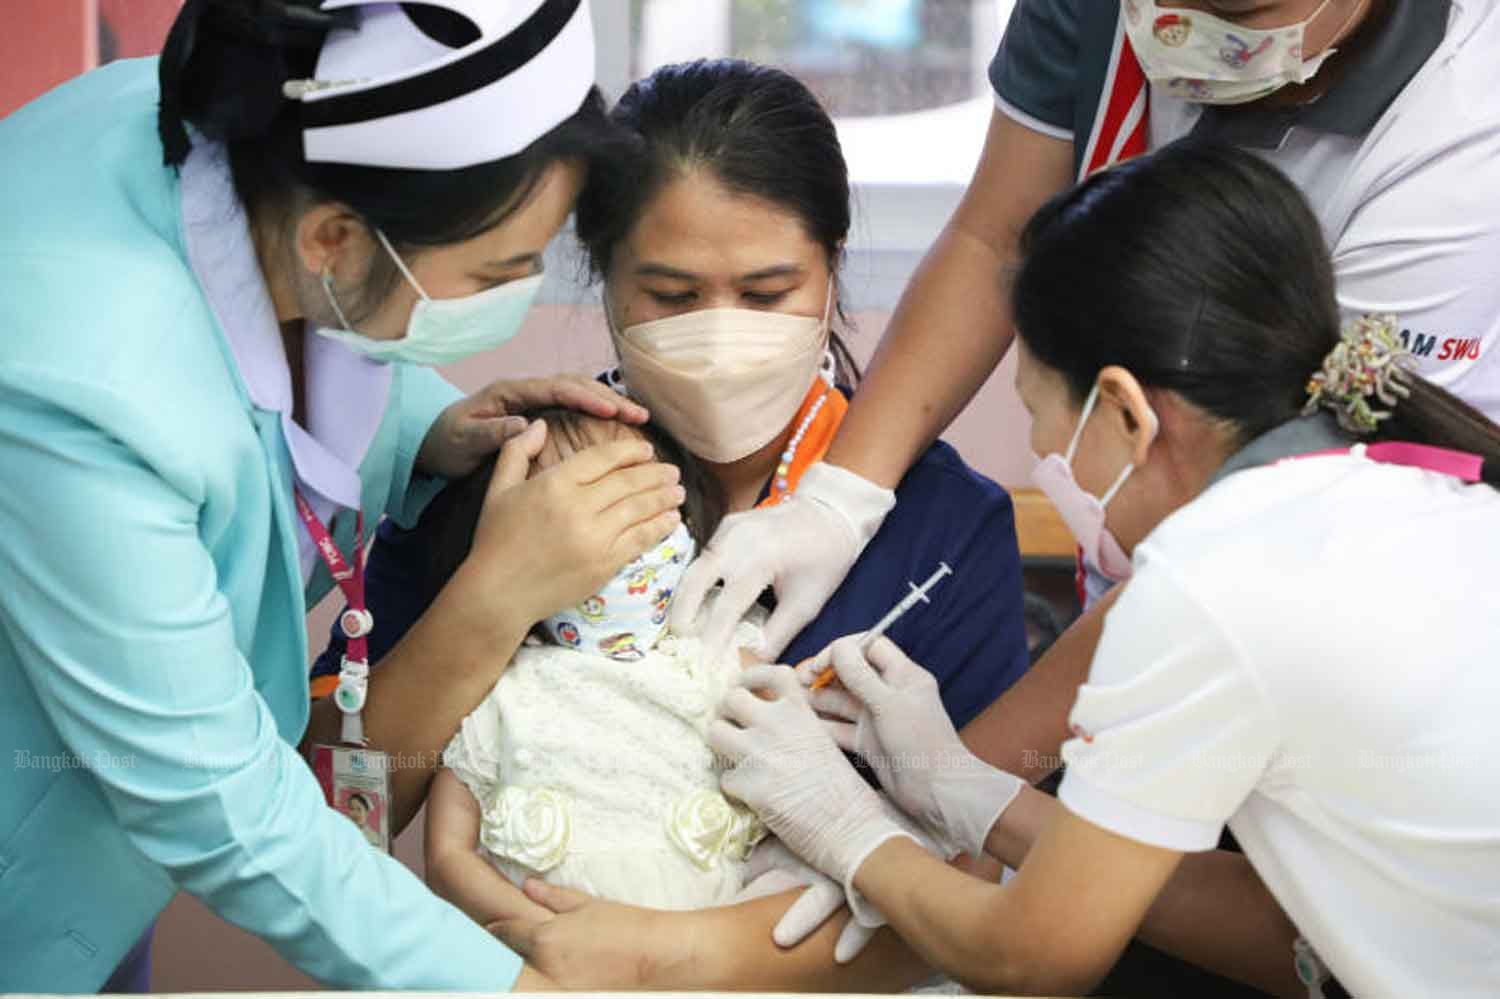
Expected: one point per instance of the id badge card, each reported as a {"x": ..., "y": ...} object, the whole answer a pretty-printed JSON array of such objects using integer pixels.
[{"x": 356, "y": 783}]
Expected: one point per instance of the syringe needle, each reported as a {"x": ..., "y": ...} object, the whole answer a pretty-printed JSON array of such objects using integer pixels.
[{"x": 917, "y": 595}]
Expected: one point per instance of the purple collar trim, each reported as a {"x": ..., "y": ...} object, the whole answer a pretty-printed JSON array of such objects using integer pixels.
[{"x": 346, "y": 393}]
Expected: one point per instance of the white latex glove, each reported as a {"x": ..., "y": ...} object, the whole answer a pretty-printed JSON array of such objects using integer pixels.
[
  {"x": 787, "y": 768},
  {"x": 892, "y": 715},
  {"x": 774, "y": 869},
  {"x": 803, "y": 548}
]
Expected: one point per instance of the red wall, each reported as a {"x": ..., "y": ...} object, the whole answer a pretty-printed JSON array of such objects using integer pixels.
[
  {"x": 139, "y": 26},
  {"x": 46, "y": 42}
]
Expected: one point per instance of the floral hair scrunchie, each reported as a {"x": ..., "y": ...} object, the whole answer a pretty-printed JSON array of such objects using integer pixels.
[{"x": 1369, "y": 363}]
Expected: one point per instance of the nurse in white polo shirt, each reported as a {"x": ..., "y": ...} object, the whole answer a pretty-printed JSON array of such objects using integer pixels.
[{"x": 1306, "y": 651}]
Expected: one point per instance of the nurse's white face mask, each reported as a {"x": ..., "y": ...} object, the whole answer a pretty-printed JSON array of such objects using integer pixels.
[
  {"x": 1208, "y": 60},
  {"x": 442, "y": 330},
  {"x": 1082, "y": 511}
]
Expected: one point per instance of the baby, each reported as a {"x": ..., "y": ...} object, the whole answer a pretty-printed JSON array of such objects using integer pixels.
[{"x": 587, "y": 761}]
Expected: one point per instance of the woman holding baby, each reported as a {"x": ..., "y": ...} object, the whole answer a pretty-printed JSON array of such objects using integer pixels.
[
  {"x": 586, "y": 768},
  {"x": 718, "y": 243}
]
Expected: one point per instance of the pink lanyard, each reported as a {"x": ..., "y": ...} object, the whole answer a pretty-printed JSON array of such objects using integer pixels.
[
  {"x": 1459, "y": 464},
  {"x": 356, "y": 621}
]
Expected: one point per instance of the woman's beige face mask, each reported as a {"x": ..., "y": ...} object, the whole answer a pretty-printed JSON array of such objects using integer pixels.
[
  {"x": 721, "y": 304},
  {"x": 724, "y": 382}
]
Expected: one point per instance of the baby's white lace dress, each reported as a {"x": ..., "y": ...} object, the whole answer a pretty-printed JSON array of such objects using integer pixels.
[{"x": 595, "y": 774}]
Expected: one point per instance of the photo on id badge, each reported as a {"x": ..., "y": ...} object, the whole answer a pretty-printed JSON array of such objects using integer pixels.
[
  {"x": 367, "y": 810},
  {"x": 356, "y": 783}
]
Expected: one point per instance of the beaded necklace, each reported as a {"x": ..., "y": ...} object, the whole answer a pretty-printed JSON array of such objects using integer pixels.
[
  {"x": 792, "y": 464},
  {"x": 781, "y": 489}
]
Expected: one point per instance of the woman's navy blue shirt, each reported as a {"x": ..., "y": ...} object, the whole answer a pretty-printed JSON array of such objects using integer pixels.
[{"x": 972, "y": 636}]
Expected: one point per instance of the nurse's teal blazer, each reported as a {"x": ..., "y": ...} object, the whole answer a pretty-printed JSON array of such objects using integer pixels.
[{"x": 153, "y": 681}]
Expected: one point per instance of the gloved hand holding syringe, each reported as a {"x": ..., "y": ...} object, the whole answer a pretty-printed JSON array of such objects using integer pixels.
[{"x": 917, "y": 595}]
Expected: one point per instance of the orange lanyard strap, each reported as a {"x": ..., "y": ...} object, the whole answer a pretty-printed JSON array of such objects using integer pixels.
[
  {"x": 323, "y": 686},
  {"x": 815, "y": 440}
]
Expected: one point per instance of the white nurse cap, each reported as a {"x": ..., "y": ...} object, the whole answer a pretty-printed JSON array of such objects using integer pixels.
[{"x": 389, "y": 95}]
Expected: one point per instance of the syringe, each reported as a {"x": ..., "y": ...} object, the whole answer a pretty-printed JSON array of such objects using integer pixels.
[{"x": 917, "y": 595}]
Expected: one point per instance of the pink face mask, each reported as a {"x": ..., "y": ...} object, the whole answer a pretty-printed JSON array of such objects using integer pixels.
[{"x": 1081, "y": 511}]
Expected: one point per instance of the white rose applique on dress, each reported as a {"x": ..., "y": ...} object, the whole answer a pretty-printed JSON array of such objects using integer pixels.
[
  {"x": 707, "y": 828},
  {"x": 531, "y": 826}
]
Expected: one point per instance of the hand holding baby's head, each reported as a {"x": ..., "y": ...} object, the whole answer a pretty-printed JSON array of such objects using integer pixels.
[
  {"x": 449, "y": 524},
  {"x": 570, "y": 431}
]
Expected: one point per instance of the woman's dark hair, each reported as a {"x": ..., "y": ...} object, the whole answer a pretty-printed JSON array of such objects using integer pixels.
[
  {"x": 757, "y": 130},
  {"x": 1201, "y": 269},
  {"x": 222, "y": 71},
  {"x": 357, "y": 796},
  {"x": 449, "y": 521}
]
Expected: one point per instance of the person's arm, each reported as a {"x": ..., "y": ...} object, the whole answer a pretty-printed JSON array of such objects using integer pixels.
[
  {"x": 593, "y": 944},
  {"x": 1137, "y": 768},
  {"x": 424, "y": 687},
  {"x": 144, "y": 666},
  {"x": 541, "y": 544},
  {"x": 531, "y": 980},
  {"x": 952, "y": 325},
  {"x": 1023, "y": 731},
  {"x": 733, "y": 951},
  {"x": 455, "y": 870},
  {"x": 1082, "y": 893},
  {"x": 1214, "y": 911},
  {"x": 1055, "y": 928}
]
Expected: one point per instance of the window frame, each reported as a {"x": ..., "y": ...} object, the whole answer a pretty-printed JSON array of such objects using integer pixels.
[{"x": 894, "y": 223}]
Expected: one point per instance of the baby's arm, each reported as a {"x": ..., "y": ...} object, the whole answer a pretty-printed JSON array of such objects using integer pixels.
[{"x": 454, "y": 870}]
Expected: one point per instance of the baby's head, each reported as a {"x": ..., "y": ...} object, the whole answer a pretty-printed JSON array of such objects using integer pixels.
[
  {"x": 450, "y": 520},
  {"x": 569, "y": 431}
]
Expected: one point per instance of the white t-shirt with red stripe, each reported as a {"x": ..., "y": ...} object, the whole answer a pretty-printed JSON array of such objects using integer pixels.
[{"x": 1410, "y": 206}]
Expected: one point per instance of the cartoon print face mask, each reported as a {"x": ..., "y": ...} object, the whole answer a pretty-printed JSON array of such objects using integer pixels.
[
  {"x": 1208, "y": 60},
  {"x": 626, "y": 618}
]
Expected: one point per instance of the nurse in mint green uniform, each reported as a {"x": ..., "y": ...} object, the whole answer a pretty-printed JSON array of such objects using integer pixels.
[{"x": 221, "y": 277}]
